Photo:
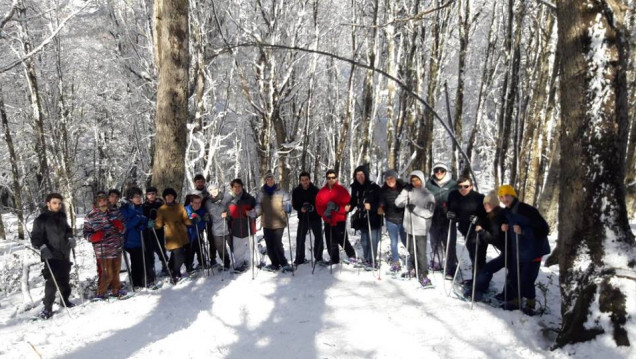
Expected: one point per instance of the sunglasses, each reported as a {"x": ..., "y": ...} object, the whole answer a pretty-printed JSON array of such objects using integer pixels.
[
  {"x": 440, "y": 170},
  {"x": 331, "y": 177},
  {"x": 464, "y": 186}
]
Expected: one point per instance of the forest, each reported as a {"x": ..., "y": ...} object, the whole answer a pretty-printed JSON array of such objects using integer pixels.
[{"x": 540, "y": 94}]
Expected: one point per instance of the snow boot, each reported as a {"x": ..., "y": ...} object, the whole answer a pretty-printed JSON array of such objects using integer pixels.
[
  {"x": 45, "y": 314},
  {"x": 426, "y": 283}
]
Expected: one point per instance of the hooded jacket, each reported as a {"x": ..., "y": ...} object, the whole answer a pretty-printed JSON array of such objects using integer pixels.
[
  {"x": 466, "y": 206},
  {"x": 418, "y": 221},
  {"x": 52, "y": 229},
  {"x": 113, "y": 240},
  {"x": 388, "y": 195},
  {"x": 194, "y": 228},
  {"x": 361, "y": 193},
  {"x": 238, "y": 207},
  {"x": 215, "y": 207},
  {"x": 338, "y": 195},
  {"x": 135, "y": 223},
  {"x": 533, "y": 241},
  {"x": 441, "y": 189}
]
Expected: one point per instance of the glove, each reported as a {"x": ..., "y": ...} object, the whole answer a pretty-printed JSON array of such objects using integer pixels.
[
  {"x": 410, "y": 207},
  {"x": 151, "y": 224},
  {"x": 46, "y": 253},
  {"x": 308, "y": 207},
  {"x": 288, "y": 208},
  {"x": 194, "y": 218},
  {"x": 96, "y": 237},
  {"x": 71, "y": 242},
  {"x": 206, "y": 217},
  {"x": 332, "y": 207},
  {"x": 431, "y": 207},
  {"x": 451, "y": 215},
  {"x": 119, "y": 225},
  {"x": 408, "y": 187},
  {"x": 252, "y": 213},
  {"x": 473, "y": 219}
]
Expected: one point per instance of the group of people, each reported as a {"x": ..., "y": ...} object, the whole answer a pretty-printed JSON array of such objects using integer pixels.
[{"x": 422, "y": 210}]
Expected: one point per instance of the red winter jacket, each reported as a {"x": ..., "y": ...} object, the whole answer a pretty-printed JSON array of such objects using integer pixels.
[{"x": 338, "y": 195}]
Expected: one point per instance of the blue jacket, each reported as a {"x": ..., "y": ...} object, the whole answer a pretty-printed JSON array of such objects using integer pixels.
[
  {"x": 135, "y": 223},
  {"x": 533, "y": 242},
  {"x": 192, "y": 230}
]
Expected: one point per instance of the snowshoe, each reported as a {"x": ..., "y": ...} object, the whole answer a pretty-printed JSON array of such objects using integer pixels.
[
  {"x": 99, "y": 298},
  {"x": 324, "y": 263},
  {"x": 287, "y": 268},
  {"x": 426, "y": 283},
  {"x": 350, "y": 260},
  {"x": 304, "y": 261},
  {"x": 43, "y": 315},
  {"x": 271, "y": 268}
]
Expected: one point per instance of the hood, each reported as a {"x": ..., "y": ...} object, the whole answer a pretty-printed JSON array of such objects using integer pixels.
[
  {"x": 364, "y": 170},
  {"x": 439, "y": 165},
  {"x": 419, "y": 174}
]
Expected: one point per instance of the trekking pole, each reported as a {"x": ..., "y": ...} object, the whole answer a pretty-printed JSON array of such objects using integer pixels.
[
  {"x": 470, "y": 227},
  {"x": 291, "y": 254},
  {"x": 206, "y": 252},
  {"x": 102, "y": 266},
  {"x": 143, "y": 258},
  {"x": 163, "y": 256},
  {"x": 506, "y": 266},
  {"x": 416, "y": 259},
  {"x": 380, "y": 254},
  {"x": 371, "y": 244},
  {"x": 325, "y": 242},
  {"x": 59, "y": 292},
  {"x": 223, "y": 250},
  {"x": 518, "y": 272},
  {"x": 448, "y": 237},
  {"x": 331, "y": 240},
  {"x": 311, "y": 241},
  {"x": 132, "y": 286},
  {"x": 252, "y": 245},
  {"x": 201, "y": 262},
  {"x": 79, "y": 282},
  {"x": 472, "y": 299}
]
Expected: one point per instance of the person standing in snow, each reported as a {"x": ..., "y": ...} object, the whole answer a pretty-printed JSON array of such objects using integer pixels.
[
  {"x": 365, "y": 200},
  {"x": 242, "y": 214},
  {"x": 151, "y": 207},
  {"x": 393, "y": 214},
  {"x": 217, "y": 208},
  {"x": 104, "y": 227},
  {"x": 132, "y": 212},
  {"x": 466, "y": 207},
  {"x": 274, "y": 206},
  {"x": 331, "y": 202},
  {"x": 172, "y": 217},
  {"x": 54, "y": 238},
  {"x": 440, "y": 184},
  {"x": 419, "y": 206},
  {"x": 304, "y": 202},
  {"x": 197, "y": 214},
  {"x": 527, "y": 228}
]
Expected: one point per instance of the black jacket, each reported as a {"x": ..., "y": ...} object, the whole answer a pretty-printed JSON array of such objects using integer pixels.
[
  {"x": 392, "y": 213},
  {"x": 466, "y": 206},
  {"x": 369, "y": 192},
  {"x": 52, "y": 229},
  {"x": 491, "y": 232},
  {"x": 301, "y": 196}
]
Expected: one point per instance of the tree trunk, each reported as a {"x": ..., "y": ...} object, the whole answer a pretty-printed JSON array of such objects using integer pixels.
[
  {"x": 15, "y": 174},
  {"x": 596, "y": 246},
  {"x": 173, "y": 61},
  {"x": 43, "y": 177},
  {"x": 464, "y": 32}
]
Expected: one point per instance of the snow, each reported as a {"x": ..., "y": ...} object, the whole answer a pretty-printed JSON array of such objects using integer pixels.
[{"x": 347, "y": 314}]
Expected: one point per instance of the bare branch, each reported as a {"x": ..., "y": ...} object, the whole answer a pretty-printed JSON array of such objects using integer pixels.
[
  {"x": 45, "y": 42},
  {"x": 9, "y": 14}
]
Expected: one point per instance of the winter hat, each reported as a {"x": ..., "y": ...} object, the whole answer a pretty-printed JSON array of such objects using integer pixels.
[
  {"x": 100, "y": 195},
  {"x": 168, "y": 191},
  {"x": 492, "y": 199},
  {"x": 506, "y": 190},
  {"x": 362, "y": 169},
  {"x": 441, "y": 165},
  {"x": 268, "y": 174},
  {"x": 390, "y": 173},
  {"x": 132, "y": 192},
  {"x": 151, "y": 189}
]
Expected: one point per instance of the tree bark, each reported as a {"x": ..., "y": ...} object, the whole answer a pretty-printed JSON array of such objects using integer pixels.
[
  {"x": 595, "y": 240},
  {"x": 173, "y": 61}
]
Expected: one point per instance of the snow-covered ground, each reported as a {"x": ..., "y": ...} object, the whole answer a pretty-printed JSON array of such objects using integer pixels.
[{"x": 348, "y": 314}]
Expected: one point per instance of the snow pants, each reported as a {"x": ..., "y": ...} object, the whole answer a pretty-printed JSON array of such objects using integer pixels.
[
  {"x": 61, "y": 271},
  {"x": 337, "y": 236},
  {"x": 219, "y": 245},
  {"x": 274, "y": 243},
  {"x": 305, "y": 226}
]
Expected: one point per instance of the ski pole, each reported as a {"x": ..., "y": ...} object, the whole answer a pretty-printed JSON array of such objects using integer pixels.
[
  {"x": 291, "y": 254},
  {"x": 380, "y": 253},
  {"x": 416, "y": 259},
  {"x": 472, "y": 299},
  {"x": 506, "y": 266},
  {"x": 326, "y": 245},
  {"x": 371, "y": 244},
  {"x": 518, "y": 272},
  {"x": 79, "y": 282},
  {"x": 102, "y": 266},
  {"x": 201, "y": 262},
  {"x": 470, "y": 227},
  {"x": 252, "y": 245},
  {"x": 448, "y": 237},
  {"x": 123, "y": 253},
  {"x": 143, "y": 258},
  {"x": 311, "y": 241},
  {"x": 163, "y": 256}
]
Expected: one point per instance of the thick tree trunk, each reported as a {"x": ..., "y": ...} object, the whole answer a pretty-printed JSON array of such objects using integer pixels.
[
  {"x": 464, "y": 32},
  {"x": 173, "y": 61},
  {"x": 596, "y": 246}
]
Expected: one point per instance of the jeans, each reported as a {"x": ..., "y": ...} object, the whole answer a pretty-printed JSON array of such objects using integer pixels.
[
  {"x": 395, "y": 230},
  {"x": 370, "y": 253}
]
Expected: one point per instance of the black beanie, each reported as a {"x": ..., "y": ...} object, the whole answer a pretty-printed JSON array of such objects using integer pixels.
[{"x": 168, "y": 191}]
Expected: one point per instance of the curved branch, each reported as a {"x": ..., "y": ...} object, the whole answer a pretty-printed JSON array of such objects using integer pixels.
[{"x": 401, "y": 84}]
